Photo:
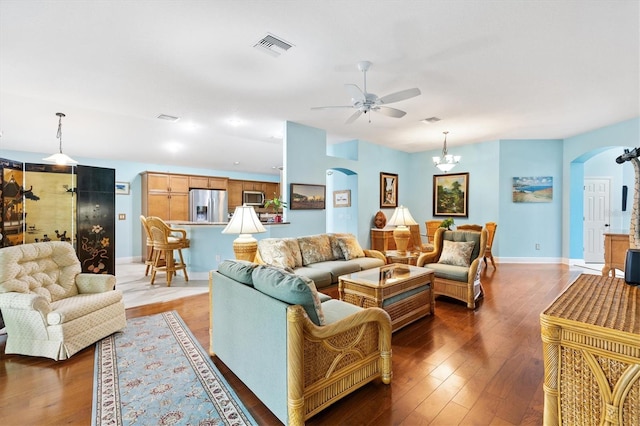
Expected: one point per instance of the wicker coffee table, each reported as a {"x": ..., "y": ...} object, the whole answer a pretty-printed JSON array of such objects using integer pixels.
[
  {"x": 591, "y": 348},
  {"x": 404, "y": 291}
]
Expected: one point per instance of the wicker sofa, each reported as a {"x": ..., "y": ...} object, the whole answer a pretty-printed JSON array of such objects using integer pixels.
[
  {"x": 322, "y": 257},
  {"x": 456, "y": 277},
  {"x": 49, "y": 307},
  {"x": 298, "y": 350}
]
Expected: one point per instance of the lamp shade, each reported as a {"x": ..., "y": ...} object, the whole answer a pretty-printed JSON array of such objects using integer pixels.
[
  {"x": 244, "y": 222},
  {"x": 401, "y": 217}
]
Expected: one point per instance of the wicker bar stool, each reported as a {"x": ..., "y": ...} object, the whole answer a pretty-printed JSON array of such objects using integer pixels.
[
  {"x": 150, "y": 252},
  {"x": 165, "y": 241}
]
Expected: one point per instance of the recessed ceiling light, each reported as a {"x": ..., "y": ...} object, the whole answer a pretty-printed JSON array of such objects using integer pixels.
[
  {"x": 235, "y": 163},
  {"x": 168, "y": 117},
  {"x": 235, "y": 122}
]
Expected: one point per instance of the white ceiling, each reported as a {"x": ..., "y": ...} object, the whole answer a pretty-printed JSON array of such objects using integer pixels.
[{"x": 489, "y": 69}]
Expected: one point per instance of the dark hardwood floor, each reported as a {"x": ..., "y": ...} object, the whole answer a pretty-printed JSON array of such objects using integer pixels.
[{"x": 459, "y": 367}]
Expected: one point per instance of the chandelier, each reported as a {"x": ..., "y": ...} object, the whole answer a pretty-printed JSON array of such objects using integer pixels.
[
  {"x": 60, "y": 158},
  {"x": 446, "y": 162}
]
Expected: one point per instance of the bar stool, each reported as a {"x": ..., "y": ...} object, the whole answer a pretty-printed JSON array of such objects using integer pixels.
[
  {"x": 150, "y": 252},
  {"x": 165, "y": 241}
]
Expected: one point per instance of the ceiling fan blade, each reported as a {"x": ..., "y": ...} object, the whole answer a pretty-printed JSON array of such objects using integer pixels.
[
  {"x": 355, "y": 92},
  {"x": 391, "y": 112},
  {"x": 400, "y": 96},
  {"x": 332, "y": 107},
  {"x": 353, "y": 117}
]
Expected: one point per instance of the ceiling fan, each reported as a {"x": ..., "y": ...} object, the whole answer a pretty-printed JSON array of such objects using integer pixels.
[{"x": 364, "y": 101}]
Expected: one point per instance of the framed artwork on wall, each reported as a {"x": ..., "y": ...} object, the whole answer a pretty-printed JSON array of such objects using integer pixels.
[
  {"x": 533, "y": 189},
  {"x": 451, "y": 195},
  {"x": 342, "y": 198},
  {"x": 307, "y": 197},
  {"x": 388, "y": 190},
  {"x": 122, "y": 188}
]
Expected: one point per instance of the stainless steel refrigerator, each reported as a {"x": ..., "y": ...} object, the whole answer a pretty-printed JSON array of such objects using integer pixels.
[{"x": 208, "y": 206}]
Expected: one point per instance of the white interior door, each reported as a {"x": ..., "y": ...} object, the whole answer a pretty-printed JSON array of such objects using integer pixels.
[{"x": 597, "y": 215}]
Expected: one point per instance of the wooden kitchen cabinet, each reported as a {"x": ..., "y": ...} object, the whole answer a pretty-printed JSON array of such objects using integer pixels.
[
  {"x": 165, "y": 195},
  {"x": 249, "y": 185},
  {"x": 272, "y": 188},
  {"x": 208, "y": 182},
  {"x": 234, "y": 194}
]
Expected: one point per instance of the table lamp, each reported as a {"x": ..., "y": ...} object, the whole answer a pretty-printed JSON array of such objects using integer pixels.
[
  {"x": 400, "y": 219},
  {"x": 244, "y": 222}
]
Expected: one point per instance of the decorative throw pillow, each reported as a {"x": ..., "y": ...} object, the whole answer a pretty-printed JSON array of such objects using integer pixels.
[
  {"x": 315, "y": 248},
  {"x": 276, "y": 252},
  {"x": 290, "y": 288},
  {"x": 350, "y": 247},
  {"x": 335, "y": 246},
  {"x": 239, "y": 270},
  {"x": 456, "y": 253},
  {"x": 294, "y": 251}
]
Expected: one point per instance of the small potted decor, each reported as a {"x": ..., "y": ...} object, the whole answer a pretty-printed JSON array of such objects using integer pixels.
[
  {"x": 447, "y": 223},
  {"x": 276, "y": 204}
]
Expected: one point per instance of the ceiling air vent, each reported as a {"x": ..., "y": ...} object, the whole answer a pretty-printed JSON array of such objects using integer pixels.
[
  {"x": 272, "y": 45},
  {"x": 431, "y": 120},
  {"x": 168, "y": 117}
]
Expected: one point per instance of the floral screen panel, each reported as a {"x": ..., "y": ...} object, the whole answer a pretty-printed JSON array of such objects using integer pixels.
[
  {"x": 50, "y": 203},
  {"x": 96, "y": 219},
  {"x": 12, "y": 207}
]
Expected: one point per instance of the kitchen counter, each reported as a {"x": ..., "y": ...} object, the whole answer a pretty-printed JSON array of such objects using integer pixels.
[{"x": 209, "y": 246}]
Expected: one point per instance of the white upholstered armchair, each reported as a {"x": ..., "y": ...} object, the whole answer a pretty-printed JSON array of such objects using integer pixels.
[{"x": 50, "y": 308}]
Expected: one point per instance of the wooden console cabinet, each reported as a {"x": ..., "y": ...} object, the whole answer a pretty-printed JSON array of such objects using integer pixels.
[
  {"x": 615, "y": 253},
  {"x": 382, "y": 239},
  {"x": 591, "y": 350}
]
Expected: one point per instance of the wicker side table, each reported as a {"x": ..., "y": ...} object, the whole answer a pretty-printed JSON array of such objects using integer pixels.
[{"x": 591, "y": 348}]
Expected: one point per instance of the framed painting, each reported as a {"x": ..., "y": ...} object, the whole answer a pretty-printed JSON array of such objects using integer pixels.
[
  {"x": 533, "y": 189},
  {"x": 307, "y": 197},
  {"x": 122, "y": 188},
  {"x": 451, "y": 195},
  {"x": 388, "y": 190},
  {"x": 342, "y": 198}
]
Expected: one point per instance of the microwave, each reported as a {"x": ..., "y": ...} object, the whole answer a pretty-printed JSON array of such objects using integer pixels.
[{"x": 253, "y": 198}]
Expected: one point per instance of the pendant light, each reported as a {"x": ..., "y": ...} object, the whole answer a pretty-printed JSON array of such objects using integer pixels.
[
  {"x": 447, "y": 161},
  {"x": 60, "y": 158}
]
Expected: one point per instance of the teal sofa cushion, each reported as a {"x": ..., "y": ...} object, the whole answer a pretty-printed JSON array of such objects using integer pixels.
[
  {"x": 289, "y": 288},
  {"x": 239, "y": 270},
  {"x": 449, "y": 272}
]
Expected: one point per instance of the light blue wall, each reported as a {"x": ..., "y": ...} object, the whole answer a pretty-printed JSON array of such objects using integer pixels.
[
  {"x": 576, "y": 151},
  {"x": 523, "y": 225}
]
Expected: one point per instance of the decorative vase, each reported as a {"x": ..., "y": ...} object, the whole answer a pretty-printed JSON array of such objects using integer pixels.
[
  {"x": 278, "y": 218},
  {"x": 380, "y": 220}
]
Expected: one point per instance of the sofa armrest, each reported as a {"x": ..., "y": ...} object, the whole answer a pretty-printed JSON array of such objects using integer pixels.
[
  {"x": 92, "y": 283},
  {"x": 24, "y": 301},
  {"x": 375, "y": 253},
  {"x": 425, "y": 258},
  {"x": 323, "y": 359}
]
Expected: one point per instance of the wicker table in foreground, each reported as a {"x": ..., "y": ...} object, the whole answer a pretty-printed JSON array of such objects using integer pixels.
[
  {"x": 404, "y": 291},
  {"x": 591, "y": 348}
]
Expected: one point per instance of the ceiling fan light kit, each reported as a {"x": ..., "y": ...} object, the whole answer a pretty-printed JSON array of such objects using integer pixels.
[
  {"x": 446, "y": 162},
  {"x": 363, "y": 101}
]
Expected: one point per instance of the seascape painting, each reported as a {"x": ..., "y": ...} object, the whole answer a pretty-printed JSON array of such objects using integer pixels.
[{"x": 533, "y": 189}]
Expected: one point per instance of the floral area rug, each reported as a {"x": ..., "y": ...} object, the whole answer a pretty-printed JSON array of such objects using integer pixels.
[{"x": 156, "y": 372}]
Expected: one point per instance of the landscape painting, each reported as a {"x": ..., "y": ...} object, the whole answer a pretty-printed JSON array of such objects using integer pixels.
[
  {"x": 306, "y": 197},
  {"x": 533, "y": 189}
]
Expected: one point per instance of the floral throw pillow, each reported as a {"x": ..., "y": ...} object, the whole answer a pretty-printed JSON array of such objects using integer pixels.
[
  {"x": 350, "y": 247},
  {"x": 456, "y": 253},
  {"x": 276, "y": 252},
  {"x": 315, "y": 248}
]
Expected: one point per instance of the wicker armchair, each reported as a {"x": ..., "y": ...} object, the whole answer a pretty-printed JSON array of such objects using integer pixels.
[{"x": 458, "y": 282}]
